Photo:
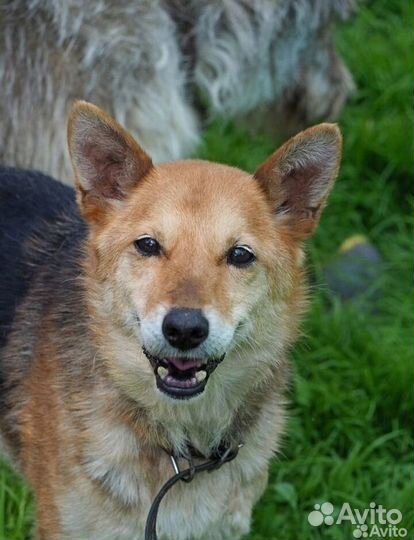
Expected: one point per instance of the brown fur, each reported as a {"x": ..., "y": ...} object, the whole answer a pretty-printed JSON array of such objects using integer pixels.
[{"x": 91, "y": 428}]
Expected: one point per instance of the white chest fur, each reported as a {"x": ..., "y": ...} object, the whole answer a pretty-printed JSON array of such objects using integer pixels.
[{"x": 114, "y": 490}]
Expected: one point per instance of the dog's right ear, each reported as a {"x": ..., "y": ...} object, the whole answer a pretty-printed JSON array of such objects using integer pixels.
[{"x": 107, "y": 161}]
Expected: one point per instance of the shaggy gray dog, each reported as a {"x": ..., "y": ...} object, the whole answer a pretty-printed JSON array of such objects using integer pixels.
[{"x": 161, "y": 67}]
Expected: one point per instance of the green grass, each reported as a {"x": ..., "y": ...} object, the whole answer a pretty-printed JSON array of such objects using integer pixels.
[{"x": 349, "y": 436}]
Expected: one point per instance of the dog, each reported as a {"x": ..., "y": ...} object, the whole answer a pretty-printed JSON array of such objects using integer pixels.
[
  {"x": 163, "y": 68},
  {"x": 152, "y": 317}
]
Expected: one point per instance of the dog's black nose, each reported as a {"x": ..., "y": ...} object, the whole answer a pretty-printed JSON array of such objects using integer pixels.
[{"x": 185, "y": 328}]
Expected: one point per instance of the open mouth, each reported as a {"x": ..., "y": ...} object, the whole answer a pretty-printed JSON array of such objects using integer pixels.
[{"x": 180, "y": 377}]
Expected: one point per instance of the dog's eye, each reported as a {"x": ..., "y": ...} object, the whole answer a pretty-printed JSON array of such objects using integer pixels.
[
  {"x": 147, "y": 246},
  {"x": 240, "y": 256}
]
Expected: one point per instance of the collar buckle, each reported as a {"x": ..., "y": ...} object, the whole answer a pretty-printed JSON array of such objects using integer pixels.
[
  {"x": 222, "y": 455},
  {"x": 191, "y": 468}
]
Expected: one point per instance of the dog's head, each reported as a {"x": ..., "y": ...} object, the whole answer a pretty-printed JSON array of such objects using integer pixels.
[{"x": 194, "y": 264}]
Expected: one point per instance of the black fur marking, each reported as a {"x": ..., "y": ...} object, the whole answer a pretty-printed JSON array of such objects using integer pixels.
[
  {"x": 41, "y": 234},
  {"x": 29, "y": 202}
]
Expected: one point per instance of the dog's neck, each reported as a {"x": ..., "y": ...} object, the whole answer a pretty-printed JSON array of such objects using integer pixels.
[{"x": 182, "y": 428}]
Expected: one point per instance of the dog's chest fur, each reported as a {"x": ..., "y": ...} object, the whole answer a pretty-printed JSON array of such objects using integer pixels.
[{"x": 118, "y": 479}]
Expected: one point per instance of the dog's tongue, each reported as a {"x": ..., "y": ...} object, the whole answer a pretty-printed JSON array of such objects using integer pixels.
[{"x": 185, "y": 363}]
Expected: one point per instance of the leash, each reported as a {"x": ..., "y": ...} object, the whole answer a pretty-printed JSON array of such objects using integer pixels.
[{"x": 221, "y": 456}]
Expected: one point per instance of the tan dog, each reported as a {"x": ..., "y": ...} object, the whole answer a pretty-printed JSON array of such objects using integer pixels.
[{"x": 159, "y": 320}]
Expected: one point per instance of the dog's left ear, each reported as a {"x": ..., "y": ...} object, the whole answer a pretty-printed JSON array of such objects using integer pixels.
[
  {"x": 298, "y": 177},
  {"x": 107, "y": 161}
]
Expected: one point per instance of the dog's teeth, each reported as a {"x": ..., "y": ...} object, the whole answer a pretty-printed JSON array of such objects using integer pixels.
[
  {"x": 201, "y": 375},
  {"x": 162, "y": 372}
]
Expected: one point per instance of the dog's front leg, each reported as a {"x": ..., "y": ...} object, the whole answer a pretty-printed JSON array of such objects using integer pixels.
[
  {"x": 236, "y": 520},
  {"x": 47, "y": 527}
]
